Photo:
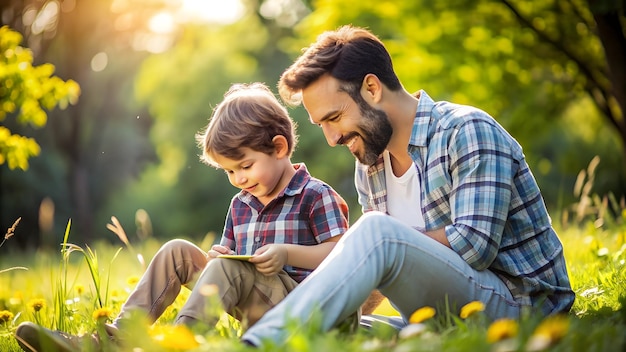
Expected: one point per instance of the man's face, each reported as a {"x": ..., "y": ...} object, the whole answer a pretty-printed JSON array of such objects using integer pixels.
[{"x": 366, "y": 131}]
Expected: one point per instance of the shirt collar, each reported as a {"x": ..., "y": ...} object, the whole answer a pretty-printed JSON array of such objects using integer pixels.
[
  {"x": 419, "y": 135},
  {"x": 298, "y": 181}
]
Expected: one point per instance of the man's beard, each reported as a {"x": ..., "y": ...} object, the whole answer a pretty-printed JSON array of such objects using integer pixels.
[{"x": 375, "y": 131}]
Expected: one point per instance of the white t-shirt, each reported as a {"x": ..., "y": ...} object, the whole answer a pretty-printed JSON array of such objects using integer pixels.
[{"x": 403, "y": 195}]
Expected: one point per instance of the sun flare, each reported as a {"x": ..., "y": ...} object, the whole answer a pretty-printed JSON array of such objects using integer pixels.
[{"x": 217, "y": 11}]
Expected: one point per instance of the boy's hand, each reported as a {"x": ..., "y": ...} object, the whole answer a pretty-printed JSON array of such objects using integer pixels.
[
  {"x": 217, "y": 250},
  {"x": 270, "y": 259}
]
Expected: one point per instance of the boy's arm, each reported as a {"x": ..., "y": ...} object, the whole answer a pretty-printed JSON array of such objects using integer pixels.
[
  {"x": 271, "y": 258},
  {"x": 309, "y": 257},
  {"x": 328, "y": 220}
]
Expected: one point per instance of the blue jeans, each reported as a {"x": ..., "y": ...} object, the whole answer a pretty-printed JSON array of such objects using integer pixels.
[{"x": 409, "y": 268}]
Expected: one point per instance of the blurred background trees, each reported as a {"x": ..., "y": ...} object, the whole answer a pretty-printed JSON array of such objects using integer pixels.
[
  {"x": 26, "y": 92},
  {"x": 150, "y": 71}
]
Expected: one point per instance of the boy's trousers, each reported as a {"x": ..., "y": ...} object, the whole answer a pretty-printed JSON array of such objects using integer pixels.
[{"x": 244, "y": 293}]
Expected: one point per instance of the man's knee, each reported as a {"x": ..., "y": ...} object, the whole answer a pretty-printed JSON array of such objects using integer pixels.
[
  {"x": 373, "y": 222},
  {"x": 373, "y": 218}
]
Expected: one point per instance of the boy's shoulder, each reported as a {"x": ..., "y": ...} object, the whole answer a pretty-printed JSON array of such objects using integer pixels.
[{"x": 303, "y": 180}]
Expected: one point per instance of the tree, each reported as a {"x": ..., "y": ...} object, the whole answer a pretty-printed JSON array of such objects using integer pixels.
[
  {"x": 26, "y": 91},
  {"x": 572, "y": 28}
]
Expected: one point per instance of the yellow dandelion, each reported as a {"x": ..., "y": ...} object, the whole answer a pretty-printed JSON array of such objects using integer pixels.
[
  {"x": 5, "y": 316},
  {"x": 174, "y": 337},
  {"x": 37, "y": 304},
  {"x": 502, "y": 329},
  {"x": 422, "y": 314},
  {"x": 80, "y": 289},
  {"x": 550, "y": 331},
  {"x": 102, "y": 313},
  {"x": 471, "y": 308},
  {"x": 132, "y": 280}
]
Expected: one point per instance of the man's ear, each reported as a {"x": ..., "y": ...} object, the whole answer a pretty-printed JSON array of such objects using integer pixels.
[
  {"x": 372, "y": 89},
  {"x": 281, "y": 146}
]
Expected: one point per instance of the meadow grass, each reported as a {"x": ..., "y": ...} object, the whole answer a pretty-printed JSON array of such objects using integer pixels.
[{"x": 78, "y": 288}]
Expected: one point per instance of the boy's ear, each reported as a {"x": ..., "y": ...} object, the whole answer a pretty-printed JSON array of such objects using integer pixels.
[{"x": 281, "y": 146}]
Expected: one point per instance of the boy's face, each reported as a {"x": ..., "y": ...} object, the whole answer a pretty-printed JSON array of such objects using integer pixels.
[
  {"x": 257, "y": 173},
  {"x": 366, "y": 131}
]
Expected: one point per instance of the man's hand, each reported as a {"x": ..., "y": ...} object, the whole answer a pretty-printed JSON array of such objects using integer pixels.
[
  {"x": 217, "y": 250},
  {"x": 270, "y": 259}
]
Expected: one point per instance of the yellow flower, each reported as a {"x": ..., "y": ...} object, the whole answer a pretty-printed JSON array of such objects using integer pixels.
[
  {"x": 502, "y": 329},
  {"x": 80, "y": 289},
  {"x": 132, "y": 280},
  {"x": 5, "y": 316},
  {"x": 550, "y": 331},
  {"x": 37, "y": 304},
  {"x": 102, "y": 313},
  {"x": 176, "y": 337},
  {"x": 422, "y": 314},
  {"x": 471, "y": 308}
]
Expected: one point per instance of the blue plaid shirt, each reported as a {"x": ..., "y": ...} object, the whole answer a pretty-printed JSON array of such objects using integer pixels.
[
  {"x": 476, "y": 183},
  {"x": 307, "y": 212}
]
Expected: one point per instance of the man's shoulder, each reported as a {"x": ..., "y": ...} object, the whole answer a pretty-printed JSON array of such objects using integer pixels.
[{"x": 450, "y": 115}]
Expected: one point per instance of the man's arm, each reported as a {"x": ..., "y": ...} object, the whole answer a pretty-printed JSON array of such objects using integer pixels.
[{"x": 482, "y": 167}]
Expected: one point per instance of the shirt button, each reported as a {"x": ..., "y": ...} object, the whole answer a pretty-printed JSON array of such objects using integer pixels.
[{"x": 257, "y": 239}]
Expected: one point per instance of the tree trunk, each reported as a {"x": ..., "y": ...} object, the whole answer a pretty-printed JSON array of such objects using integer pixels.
[{"x": 611, "y": 34}]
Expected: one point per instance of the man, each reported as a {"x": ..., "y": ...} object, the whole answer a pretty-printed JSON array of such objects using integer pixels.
[{"x": 453, "y": 213}]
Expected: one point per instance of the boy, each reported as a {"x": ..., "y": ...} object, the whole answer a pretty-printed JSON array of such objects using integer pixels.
[{"x": 287, "y": 220}]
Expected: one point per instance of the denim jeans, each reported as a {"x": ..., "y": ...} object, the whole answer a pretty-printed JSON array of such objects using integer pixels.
[{"x": 409, "y": 268}]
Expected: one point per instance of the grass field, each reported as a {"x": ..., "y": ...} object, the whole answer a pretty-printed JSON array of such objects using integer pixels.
[{"x": 79, "y": 288}]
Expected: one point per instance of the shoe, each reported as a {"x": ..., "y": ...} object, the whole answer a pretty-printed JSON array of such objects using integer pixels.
[
  {"x": 34, "y": 338},
  {"x": 367, "y": 321}
]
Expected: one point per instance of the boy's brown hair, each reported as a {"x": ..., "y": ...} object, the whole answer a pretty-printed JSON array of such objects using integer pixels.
[{"x": 250, "y": 116}]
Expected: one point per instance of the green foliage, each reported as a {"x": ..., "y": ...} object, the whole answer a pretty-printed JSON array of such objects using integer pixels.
[
  {"x": 26, "y": 91},
  {"x": 61, "y": 287}
]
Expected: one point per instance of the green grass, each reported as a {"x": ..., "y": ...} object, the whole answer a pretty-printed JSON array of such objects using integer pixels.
[{"x": 66, "y": 284}]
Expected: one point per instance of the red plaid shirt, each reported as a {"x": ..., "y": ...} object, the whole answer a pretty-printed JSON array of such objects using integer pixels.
[{"x": 307, "y": 212}]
